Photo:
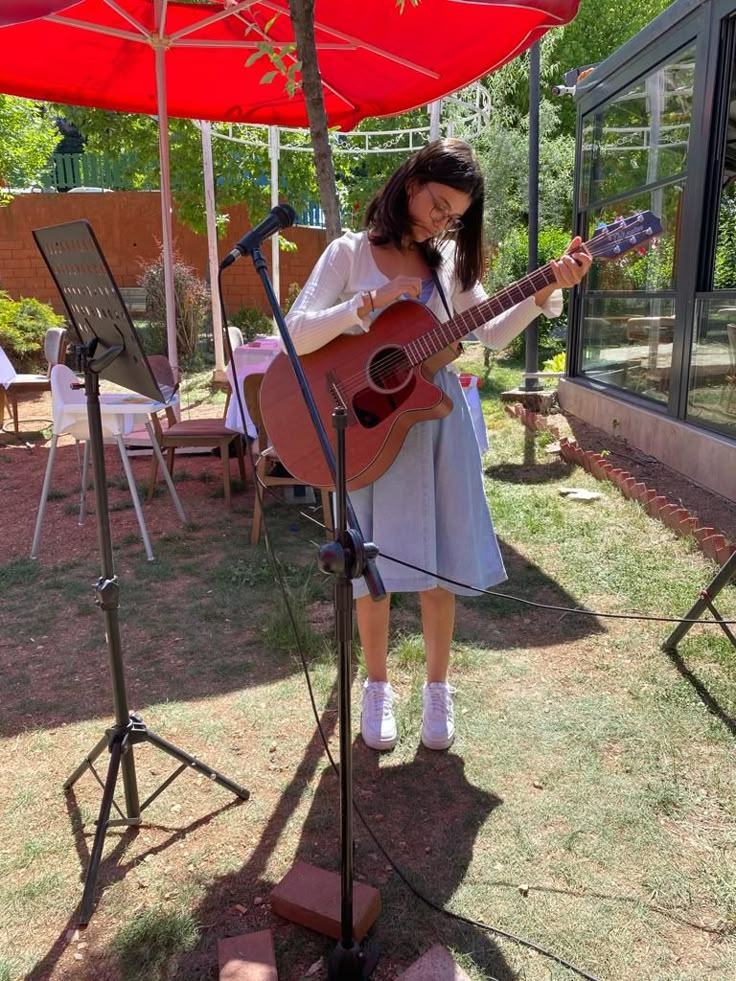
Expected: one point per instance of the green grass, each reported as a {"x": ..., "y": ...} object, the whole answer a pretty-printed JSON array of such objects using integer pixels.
[
  {"x": 19, "y": 572},
  {"x": 145, "y": 945}
]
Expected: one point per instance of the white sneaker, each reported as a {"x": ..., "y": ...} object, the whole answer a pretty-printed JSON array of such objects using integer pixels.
[
  {"x": 377, "y": 722},
  {"x": 438, "y": 717}
]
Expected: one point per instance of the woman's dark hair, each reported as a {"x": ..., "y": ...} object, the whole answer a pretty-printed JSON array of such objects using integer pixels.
[{"x": 450, "y": 162}]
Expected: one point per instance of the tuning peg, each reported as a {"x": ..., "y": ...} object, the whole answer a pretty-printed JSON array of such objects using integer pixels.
[{"x": 649, "y": 231}]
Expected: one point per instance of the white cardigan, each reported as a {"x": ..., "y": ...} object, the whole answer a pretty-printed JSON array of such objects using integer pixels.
[{"x": 327, "y": 305}]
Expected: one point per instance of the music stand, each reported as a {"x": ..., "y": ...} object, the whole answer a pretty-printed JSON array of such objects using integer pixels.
[{"x": 107, "y": 344}]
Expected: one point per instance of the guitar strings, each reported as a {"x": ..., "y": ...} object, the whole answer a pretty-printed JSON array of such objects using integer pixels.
[{"x": 354, "y": 383}]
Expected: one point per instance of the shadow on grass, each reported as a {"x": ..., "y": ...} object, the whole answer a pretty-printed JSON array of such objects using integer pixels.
[
  {"x": 195, "y": 624},
  {"x": 711, "y": 704},
  {"x": 534, "y": 473},
  {"x": 480, "y": 619},
  {"x": 206, "y": 631},
  {"x": 111, "y": 870},
  {"x": 426, "y": 816},
  {"x": 217, "y": 911}
]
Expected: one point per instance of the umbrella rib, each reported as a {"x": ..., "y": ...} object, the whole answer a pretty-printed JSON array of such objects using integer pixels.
[
  {"x": 252, "y": 45},
  {"x": 381, "y": 52},
  {"x": 121, "y": 12},
  {"x": 160, "y": 6},
  {"x": 220, "y": 15},
  {"x": 98, "y": 28},
  {"x": 330, "y": 88}
]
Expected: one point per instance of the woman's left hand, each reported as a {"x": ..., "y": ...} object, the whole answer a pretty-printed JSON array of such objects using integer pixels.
[{"x": 569, "y": 270}]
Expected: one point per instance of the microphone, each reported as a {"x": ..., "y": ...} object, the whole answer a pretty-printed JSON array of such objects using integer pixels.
[{"x": 282, "y": 216}]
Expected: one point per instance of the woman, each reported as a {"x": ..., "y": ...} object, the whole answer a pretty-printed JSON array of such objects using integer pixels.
[{"x": 423, "y": 239}]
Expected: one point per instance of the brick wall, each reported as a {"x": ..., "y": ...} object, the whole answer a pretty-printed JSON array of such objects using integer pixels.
[{"x": 128, "y": 226}]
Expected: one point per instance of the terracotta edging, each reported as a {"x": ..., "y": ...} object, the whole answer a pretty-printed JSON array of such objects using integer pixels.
[{"x": 711, "y": 542}]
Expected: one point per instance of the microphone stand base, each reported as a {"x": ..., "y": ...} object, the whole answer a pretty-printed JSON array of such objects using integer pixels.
[{"x": 352, "y": 963}]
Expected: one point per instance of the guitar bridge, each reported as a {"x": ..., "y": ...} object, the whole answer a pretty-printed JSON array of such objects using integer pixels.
[{"x": 337, "y": 396}]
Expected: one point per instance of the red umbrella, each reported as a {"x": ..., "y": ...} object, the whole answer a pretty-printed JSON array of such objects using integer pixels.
[
  {"x": 374, "y": 60},
  {"x": 192, "y": 60}
]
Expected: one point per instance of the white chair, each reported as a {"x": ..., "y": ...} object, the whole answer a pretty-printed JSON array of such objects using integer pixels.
[
  {"x": 69, "y": 408},
  {"x": 13, "y": 386},
  {"x": 236, "y": 337}
]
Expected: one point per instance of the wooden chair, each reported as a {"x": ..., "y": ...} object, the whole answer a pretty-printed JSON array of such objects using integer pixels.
[
  {"x": 269, "y": 470},
  {"x": 14, "y": 387},
  {"x": 195, "y": 433}
]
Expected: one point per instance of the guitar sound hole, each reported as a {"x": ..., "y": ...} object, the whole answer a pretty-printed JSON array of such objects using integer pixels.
[{"x": 389, "y": 370}]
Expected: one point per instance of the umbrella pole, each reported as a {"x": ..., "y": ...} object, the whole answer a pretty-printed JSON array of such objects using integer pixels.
[
  {"x": 166, "y": 209},
  {"x": 209, "y": 198},
  {"x": 273, "y": 153}
]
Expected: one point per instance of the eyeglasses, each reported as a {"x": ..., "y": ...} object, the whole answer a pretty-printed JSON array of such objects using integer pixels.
[{"x": 442, "y": 212}]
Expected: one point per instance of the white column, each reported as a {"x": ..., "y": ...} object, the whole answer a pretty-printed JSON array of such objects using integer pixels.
[
  {"x": 209, "y": 199},
  {"x": 435, "y": 109},
  {"x": 273, "y": 154},
  {"x": 166, "y": 208}
]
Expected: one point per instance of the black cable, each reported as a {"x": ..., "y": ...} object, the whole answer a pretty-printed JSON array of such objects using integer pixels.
[
  {"x": 575, "y": 611},
  {"x": 558, "y": 609}
]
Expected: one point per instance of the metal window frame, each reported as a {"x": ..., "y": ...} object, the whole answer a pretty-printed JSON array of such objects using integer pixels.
[{"x": 685, "y": 23}]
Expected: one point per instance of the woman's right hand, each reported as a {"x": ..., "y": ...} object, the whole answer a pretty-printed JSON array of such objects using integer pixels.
[{"x": 401, "y": 286}]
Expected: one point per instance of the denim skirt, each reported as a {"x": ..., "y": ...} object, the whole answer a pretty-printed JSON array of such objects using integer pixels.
[{"x": 430, "y": 509}]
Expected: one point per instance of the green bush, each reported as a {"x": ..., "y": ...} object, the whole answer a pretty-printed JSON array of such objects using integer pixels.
[
  {"x": 556, "y": 363},
  {"x": 510, "y": 263},
  {"x": 251, "y": 322},
  {"x": 291, "y": 294},
  {"x": 23, "y": 326},
  {"x": 192, "y": 303}
]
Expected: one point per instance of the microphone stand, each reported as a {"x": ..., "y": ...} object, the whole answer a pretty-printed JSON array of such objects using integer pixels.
[{"x": 347, "y": 557}]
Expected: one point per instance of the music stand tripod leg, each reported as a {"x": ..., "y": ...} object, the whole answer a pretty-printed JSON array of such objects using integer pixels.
[
  {"x": 704, "y": 602},
  {"x": 129, "y": 729}
]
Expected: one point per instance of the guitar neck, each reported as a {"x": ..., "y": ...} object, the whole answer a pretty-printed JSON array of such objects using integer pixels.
[{"x": 463, "y": 324}]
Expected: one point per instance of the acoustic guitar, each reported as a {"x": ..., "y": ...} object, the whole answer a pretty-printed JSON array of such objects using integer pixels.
[{"x": 383, "y": 378}]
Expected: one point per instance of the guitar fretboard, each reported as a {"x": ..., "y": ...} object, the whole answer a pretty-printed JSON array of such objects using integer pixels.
[{"x": 439, "y": 337}]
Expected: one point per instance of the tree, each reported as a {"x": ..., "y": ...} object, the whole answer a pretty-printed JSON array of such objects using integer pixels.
[
  {"x": 302, "y": 19},
  {"x": 503, "y": 151},
  {"x": 29, "y": 136}
]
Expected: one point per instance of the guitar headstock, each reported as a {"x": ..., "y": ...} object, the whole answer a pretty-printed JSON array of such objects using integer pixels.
[{"x": 615, "y": 239}]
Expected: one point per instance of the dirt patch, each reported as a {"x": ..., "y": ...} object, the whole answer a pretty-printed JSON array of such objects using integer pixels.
[{"x": 711, "y": 509}]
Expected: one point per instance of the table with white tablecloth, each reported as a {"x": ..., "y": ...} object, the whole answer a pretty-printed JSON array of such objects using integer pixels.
[{"x": 249, "y": 359}]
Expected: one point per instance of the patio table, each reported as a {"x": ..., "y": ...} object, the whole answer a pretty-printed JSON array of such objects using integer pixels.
[{"x": 252, "y": 358}]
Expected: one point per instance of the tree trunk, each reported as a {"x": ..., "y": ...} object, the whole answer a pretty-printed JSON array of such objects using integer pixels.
[{"x": 302, "y": 18}]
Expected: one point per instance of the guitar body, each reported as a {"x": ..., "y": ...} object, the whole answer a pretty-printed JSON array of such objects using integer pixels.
[{"x": 370, "y": 375}]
